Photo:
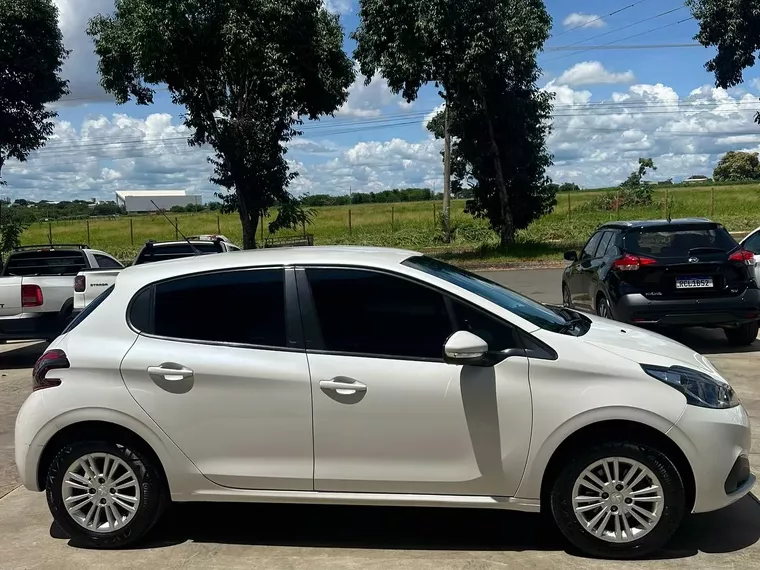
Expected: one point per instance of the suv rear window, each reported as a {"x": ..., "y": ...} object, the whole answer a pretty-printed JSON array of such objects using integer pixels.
[
  {"x": 161, "y": 252},
  {"x": 52, "y": 262},
  {"x": 675, "y": 242}
]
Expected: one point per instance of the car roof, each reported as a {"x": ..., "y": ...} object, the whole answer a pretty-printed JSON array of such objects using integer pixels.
[
  {"x": 178, "y": 242},
  {"x": 645, "y": 224},
  {"x": 378, "y": 257}
]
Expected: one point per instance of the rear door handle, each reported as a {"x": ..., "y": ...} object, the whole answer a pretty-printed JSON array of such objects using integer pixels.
[
  {"x": 170, "y": 372},
  {"x": 344, "y": 388}
]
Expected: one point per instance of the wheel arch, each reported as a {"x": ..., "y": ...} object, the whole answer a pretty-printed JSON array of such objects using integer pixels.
[
  {"x": 96, "y": 430},
  {"x": 627, "y": 430}
]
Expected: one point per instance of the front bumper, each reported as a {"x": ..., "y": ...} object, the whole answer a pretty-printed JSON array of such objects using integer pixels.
[
  {"x": 720, "y": 311},
  {"x": 29, "y": 326},
  {"x": 716, "y": 444}
]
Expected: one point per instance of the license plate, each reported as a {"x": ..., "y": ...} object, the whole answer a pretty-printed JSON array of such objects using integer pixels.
[{"x": 694, "y": 283}]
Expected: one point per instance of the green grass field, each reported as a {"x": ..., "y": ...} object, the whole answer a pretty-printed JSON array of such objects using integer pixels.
[{"x": 413, "y": 225}]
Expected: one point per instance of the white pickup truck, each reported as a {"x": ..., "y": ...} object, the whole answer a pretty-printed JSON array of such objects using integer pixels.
[
  {"x": 89, "y": 284},
  {"x": 37, "y": 288}
]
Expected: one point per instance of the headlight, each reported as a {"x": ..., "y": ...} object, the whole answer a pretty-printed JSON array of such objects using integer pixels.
[{"x": 699, "y": 388}]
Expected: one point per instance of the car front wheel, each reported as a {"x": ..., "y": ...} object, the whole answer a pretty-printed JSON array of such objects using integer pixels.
[
  {"x": 104, "y": 495},
  {"x": 618, "y": 500}
]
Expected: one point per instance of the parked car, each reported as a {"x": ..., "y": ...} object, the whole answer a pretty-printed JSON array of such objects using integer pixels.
[
  {"x": 376, "y": 377},
  {"x": 37, "y": 288},
  {"x": 666, "y": 273},
  {"x": 89, "y": 284},
  {"x": 751, "y": 243}
]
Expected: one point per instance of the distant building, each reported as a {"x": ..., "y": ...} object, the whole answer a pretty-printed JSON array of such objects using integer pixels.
[
  {"x": 142, "y": 200},
  {"x": 696, "y": 178}
]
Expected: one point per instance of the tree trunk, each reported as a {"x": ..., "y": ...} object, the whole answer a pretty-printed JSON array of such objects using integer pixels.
[
  {"x": 446, "y": 178},
  {"x": 249, "y": 220},
  {"x": 507, "y": 225}
]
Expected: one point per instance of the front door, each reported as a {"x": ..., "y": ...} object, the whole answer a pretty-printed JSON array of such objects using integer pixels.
[
  {"x": 389, "y": 415},
  {"x": 580, "y": 282},
  {"x": 219, "y": 371}
]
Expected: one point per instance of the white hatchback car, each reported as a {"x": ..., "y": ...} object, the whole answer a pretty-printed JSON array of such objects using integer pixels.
[{"x": 373, "y": 377}]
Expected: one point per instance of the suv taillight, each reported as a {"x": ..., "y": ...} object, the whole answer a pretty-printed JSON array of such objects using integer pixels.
[
  {"x": 632, "y": 262},
  {"x": 31, "y": 296},
  {"x": 80, "y": 284},
  {"x": 51, "y": 360},
  {"x": 743, "y": 255}
]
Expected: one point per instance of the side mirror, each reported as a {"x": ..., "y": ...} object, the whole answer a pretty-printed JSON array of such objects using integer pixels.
[
  {"x": 464, "y": 348},
  {"x": 571, "y": 256}
]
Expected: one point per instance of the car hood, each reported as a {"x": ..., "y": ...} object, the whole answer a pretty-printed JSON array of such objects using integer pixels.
[{"x": 643, "y": 346}]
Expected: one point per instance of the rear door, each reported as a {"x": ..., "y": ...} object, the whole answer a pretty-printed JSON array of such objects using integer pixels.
[
  {"x": 685, "y": 262},
  {"x": 582, "y": 271},
  {"x": 221, "y": 369}
]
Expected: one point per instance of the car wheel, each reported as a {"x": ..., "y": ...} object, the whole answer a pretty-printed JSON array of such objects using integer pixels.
[
  {"x": 743, "y": 335},
  {"x": 618, "y": 500},
  {"x": 104, "y": 495},
  {"x": 603, "y": 308},
  {"x": 567, "y": 300}
]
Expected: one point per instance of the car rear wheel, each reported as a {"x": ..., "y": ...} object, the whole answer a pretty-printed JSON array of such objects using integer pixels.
[
  {"x": 603, "y": 308},
  {"x": 104, "y": 495},
  {"x": 743, "y": 335},
  {"x": 618, "y": 500}
]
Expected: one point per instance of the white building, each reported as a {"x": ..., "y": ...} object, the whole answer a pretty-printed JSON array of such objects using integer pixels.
[{"x": 142, "y": 200}]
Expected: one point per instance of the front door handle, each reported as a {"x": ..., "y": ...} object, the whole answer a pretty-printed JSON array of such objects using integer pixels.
[
  {"x": 170, "y": 372},
  {"x": 343, "y": 388}
]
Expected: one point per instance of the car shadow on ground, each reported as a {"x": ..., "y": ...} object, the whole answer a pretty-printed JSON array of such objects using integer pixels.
[
  {"x": 383, "y": 528},
  {"x": 12, "y": 358},
  {"x": 707, "y": 341}
]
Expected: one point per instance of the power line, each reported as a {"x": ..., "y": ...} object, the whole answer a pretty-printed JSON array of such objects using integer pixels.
[
  {"x": 623, "y": 39},
  {"x": 613, "y": 13},
  {"x": 639, "y": 46}
]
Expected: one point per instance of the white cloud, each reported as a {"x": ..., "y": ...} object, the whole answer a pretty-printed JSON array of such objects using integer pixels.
[
  {"x": 580, "y": 20},
  {"x": 366, "y": 101},
  {"x": 593, "y": 73},
  {"x": 756, "y": 83},
  {"x": 339, "y": 6}
]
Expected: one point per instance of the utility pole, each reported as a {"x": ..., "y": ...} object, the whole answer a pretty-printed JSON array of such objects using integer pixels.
[{"x": 446, "y": 177}]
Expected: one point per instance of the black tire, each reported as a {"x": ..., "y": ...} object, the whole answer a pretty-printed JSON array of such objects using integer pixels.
[
  {"x": 603, "y": 308},
  {"x": 670, "y": 518},
  {"x": 151, "y": 504},
  {"x": 743, "y": 335},
  {"x": 567, "y": 300}
]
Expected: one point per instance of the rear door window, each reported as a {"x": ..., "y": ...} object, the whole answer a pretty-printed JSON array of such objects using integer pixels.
[
  {"x": 603, "y": 244},
  {"x": 590, "y": 250},
  {"x": 683, "y": 242},
  {"x": 106, "y": 262}
]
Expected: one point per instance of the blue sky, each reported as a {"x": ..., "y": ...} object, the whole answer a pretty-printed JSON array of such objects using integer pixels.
[{"x": 611, "y": 106}]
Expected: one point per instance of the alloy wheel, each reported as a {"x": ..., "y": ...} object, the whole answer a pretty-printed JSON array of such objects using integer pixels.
[
  {"x": 618, "y": 499},
  {"x": 101, "y": 492}
]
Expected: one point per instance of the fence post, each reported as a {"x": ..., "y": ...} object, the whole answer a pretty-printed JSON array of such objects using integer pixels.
[
  {"x": 50, "y": 232},
  {"x": 176, "y": 228},
  {"x": 712, "y": 202},
  {"x": 88, "y": 232},
  {"x": 667, "y": 204},
  {"x": 131, "y": 232},
  {"x": 262, "y": 229},
  {"x": 350, "y": 227},
  {"x": 392, "y": 218},
  {"x": 218, "y": 225},
  {"x": 434, "y": 216},
  {"x": 569, "y": 207},
  {"x": 617, "y": 205}
]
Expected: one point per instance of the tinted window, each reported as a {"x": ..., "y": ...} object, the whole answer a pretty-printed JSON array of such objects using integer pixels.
[
  {"x": 523, "y": 307},
  {"x": 245, "y": 307},
  {"x": 678, "y": 242},
  {"x": 377, "y": 314},
  {"x": 159, "y": 252},
  {"x": 496, "y": 333},
  {"x": 591, "y": 246},
  {"x": 105, "y": 261},
  {"x": 753, "y": 244},
  {"x": 601, "y": 251},
  {"x": 45, "y": 263}
]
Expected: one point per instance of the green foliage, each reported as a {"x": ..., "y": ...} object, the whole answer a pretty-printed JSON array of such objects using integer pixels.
[
  {"x": 247, "y": 71},
  {"x": 31, "y": 56},
  {"x": 738, "y": 166},
  {"x": 484, "y": 57},
  {"x": 633, "y": 193},
  {"x": 733, "y": 27},
  {"x": 11, "y": 227},
  {"x": 395, "y": 195}
]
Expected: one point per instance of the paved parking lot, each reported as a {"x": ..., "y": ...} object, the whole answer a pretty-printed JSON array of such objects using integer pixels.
[{"x": 333, "y": 538}]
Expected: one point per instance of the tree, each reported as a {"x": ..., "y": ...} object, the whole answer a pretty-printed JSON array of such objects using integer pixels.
[
  {"x": 733, "y": 27},
  {"x": 483, "y": 56},
  {"x": 635, "y": 178},
  {"x": 31, "y": 56},
  {"x": 247, "y": 71},
  {"x": 735, "y": 166}
]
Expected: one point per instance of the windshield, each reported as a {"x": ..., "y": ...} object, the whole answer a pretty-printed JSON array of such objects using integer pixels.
[
  {"x": 678, "y": 242},
  {"x": 528, "y": 309}
]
